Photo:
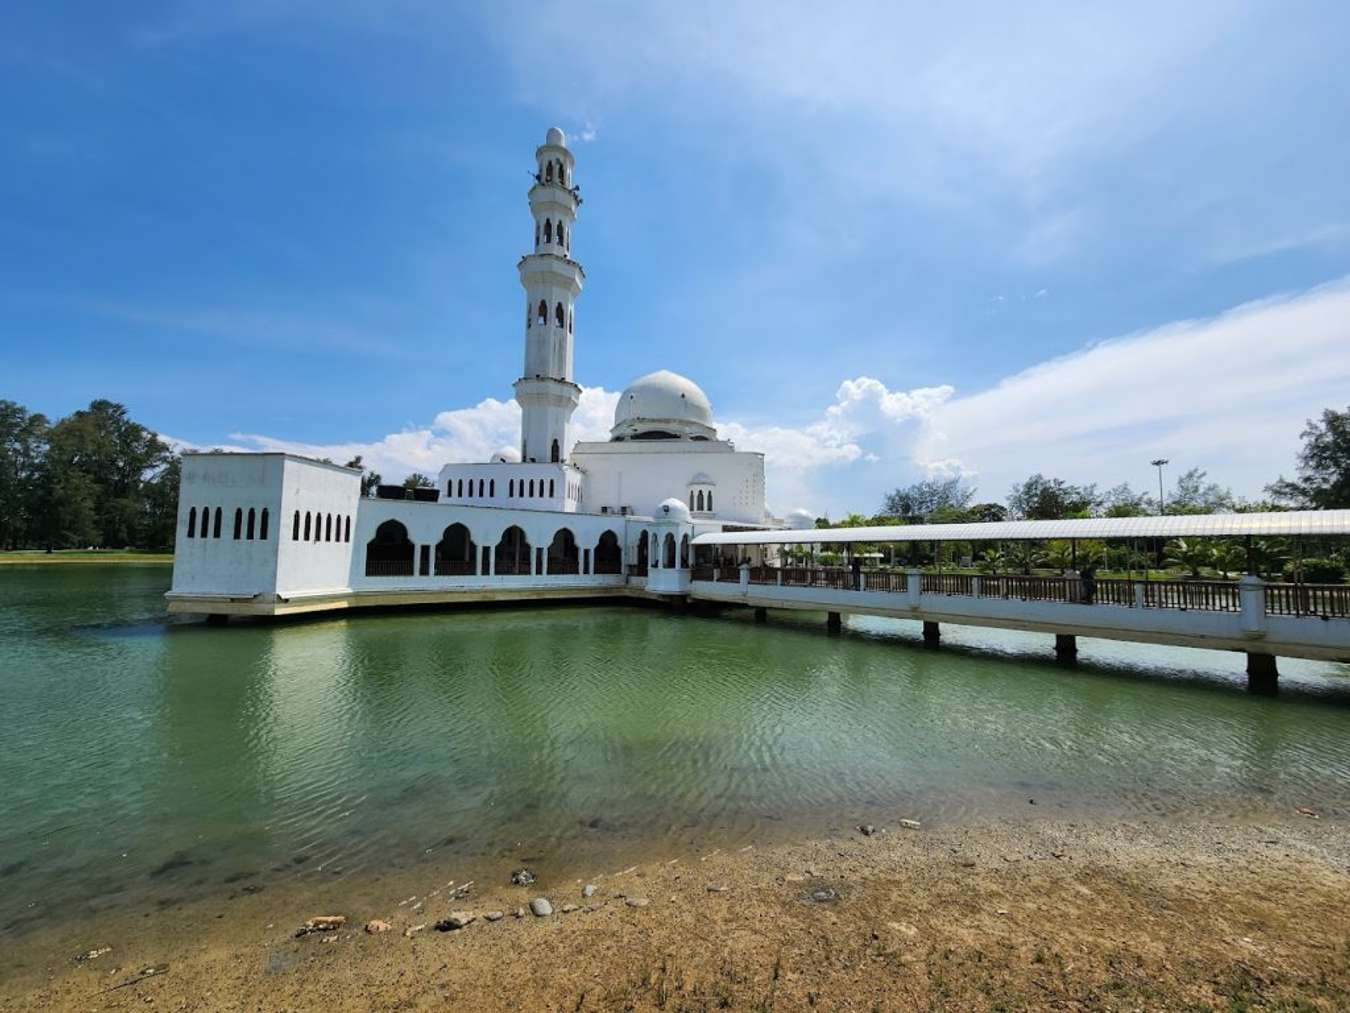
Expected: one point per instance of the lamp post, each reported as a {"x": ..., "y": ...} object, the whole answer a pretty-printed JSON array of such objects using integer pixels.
[{"x": 1158, "y": 463}]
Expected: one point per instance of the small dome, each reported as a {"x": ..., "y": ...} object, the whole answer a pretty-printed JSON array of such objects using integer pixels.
[
  {"x": 663, "y": 406},
  {"x": 507, "y": 455},
  {"x": 801, "y": 520},
  {"x": 556, "y": 137},
  {"x": 672, "y": 510}
]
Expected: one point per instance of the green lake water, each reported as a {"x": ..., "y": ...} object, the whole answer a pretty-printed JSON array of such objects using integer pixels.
[{"x": 144, "y": 757}]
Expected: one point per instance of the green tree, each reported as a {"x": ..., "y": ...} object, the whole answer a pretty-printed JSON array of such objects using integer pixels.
[
  {"x": 23, "y": 450},
  {"x": 1040, "y": 498},
  {"x": 920, "y": 499},
  {"x": 1189, "y": 554},
  {"x": 1122, "y": 501},
  {"x": 370, "y": 480},
  {"x": 1323, "y": 481},
  {"x": 418, "y": 481},
  {"x": 1193, "y": 495}
]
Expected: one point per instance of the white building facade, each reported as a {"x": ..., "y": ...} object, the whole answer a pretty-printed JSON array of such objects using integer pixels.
[{"x": 272, "y": 534}]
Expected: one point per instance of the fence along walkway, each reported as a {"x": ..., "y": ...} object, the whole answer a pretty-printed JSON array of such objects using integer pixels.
[{"x": 1330, "y": 601}]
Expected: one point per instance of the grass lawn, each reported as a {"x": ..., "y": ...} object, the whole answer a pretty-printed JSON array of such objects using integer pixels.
[{"x": 40, "y": 557}]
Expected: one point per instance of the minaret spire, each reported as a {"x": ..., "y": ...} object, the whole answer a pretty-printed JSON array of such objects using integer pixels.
[{"x": 552, "y": 281}]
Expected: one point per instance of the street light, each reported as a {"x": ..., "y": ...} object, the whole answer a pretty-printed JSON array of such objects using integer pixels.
[{"x": 1158, "y": 463}]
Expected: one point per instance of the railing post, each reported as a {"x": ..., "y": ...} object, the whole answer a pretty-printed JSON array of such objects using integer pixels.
[
  {"x": 1252, "y": 594},
  {"x": 862, "y": 580},
  {"x": 779, "y": 575},
  {"x": 1138, "y": 594},
  {"x": 745, "y": 578},
  {"x": 913, "y": 587},
  {"x": 976, "y": 585}
]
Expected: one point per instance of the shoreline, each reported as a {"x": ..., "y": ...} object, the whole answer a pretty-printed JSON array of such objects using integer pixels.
[
  {"x": 39, "y": 557},
  {"x": 1103, "y": 914}
]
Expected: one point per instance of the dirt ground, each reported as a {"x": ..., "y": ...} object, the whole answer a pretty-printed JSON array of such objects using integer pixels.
[{"x": 1049, "y": 915}]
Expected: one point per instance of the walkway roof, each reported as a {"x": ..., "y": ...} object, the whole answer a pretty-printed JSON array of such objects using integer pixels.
[{"x": 1283, "y": 523}]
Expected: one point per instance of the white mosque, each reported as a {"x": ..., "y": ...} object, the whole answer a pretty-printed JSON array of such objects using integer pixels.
[{"x": 273, "y": 533}]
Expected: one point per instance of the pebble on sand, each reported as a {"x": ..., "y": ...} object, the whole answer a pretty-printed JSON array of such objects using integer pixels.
[
  {"x": 522, "y": 877},
  {"x": 588, "y": 890},
  {"x": 717, "y": 888},
  {"x": 911, "y": 824},
  {"x": 541, "y": 907},
  {"x": 567, "y": 909},
  {"x": 493, "y": 916},
  {"x": 375, "y": 926},
  {"x": 637, "y": 902},
  {"x": 456, "y": 920}
]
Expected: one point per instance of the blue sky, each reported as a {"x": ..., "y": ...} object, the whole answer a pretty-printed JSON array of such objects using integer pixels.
[{"x": 989, "y": 239}]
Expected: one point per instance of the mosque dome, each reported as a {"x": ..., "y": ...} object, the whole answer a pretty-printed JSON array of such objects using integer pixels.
[
  {"x": 556, "y": 137},
  {"x": 663, "y": 406},
  {"x": 672, "y": 509},
  {"x": 507, "y": 455},
  {"x": 801, "y": 520}
]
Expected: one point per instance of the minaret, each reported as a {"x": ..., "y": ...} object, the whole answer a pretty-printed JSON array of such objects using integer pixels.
[{"x": 552, "y": 282}]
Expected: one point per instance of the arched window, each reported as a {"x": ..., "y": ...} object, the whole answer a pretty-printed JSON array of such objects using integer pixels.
[
  {"x": 536, "y": 233},
  {"x": 390, "y": 552},
  {"x": 558, "y": 315},
  {"x": 669, "y": 561},
  {"x": 608, "y": 558},
  {"x": 455, "y": 552},
  {"x": 710, "y": 501},
  {"x": 192, "y": 523},
  {"x": 461, "y": 489},
  {"x": 262, "y": 525},
  {"x": 550, "y": 483},
  {"x": 512, "y": 554},
  {"x": 492, "y": 487},
  {"x": 480, "y": 488},
  {"x": 643, "y": 554},
  {"x": 699, "y": 500},
  {"x": 306, "y": 525},
  {"x": 215, "y": 528},
  {"x": 318, "y": 527},
  {"x": 554, "y": 455},
  {"x": 548, "y": 173},
  {"x": 252, "y": 517},
  {"x": 328, "y": 529},
  {"x": 562, "y": 235},
  {"x": 543, "y": 312},
  {"x": 238, "y": 523},
  {"x": 684, "y": 552},
  {"x": 531, "y": 488},
  {"x": 511, "y": 489},
  {"x": 347, "y": 530},
  {"x": 570, "y": 318},
  {"x": 563, "y": 554},
  {"x": 548, "y": 231},
  {"x": 295, "y": 527}
]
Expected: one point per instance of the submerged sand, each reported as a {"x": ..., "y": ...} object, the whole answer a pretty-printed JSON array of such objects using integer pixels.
[{"x": 1008, "y": 915}]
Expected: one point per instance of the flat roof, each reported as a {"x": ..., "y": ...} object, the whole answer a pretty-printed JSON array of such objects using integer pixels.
[{"x": 1283, "y": 523}]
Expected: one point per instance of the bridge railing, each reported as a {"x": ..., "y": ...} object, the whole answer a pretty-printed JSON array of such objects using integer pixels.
[{"x": 1331, "y": 601}]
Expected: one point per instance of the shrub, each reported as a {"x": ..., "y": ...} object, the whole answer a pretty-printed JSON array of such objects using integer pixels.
[{"x": 1318, "y": 571}]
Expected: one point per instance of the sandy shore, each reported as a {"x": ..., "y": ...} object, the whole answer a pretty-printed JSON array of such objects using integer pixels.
[{"x": 1043, "y": 915}]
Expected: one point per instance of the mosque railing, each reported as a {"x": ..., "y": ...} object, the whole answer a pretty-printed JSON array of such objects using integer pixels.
[
  {"x": 1328, "y": 601},
  {"x": 454, "y": 567}
]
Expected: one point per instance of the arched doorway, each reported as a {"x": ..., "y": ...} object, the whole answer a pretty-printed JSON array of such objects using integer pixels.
[
  {"x": 669, "y": 555},
  {"x": 684, "y": 552},
  {"x": 608, "y": 556},
  {"x": 642, "y": 556},
  {"x": 512, "y": 555},
  {"x": 390, "y": 552},
  {"x": 455, "y": 552},
  {"x": 563, "y": 555}
]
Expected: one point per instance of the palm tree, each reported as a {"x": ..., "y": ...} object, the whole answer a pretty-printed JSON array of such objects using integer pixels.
[
  {"x": 1026, "y": 555},
  {"x": 1191, "y": 555},
  {"x": 993, "y": 560}
]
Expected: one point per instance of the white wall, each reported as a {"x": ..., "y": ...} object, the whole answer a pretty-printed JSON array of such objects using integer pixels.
[
  {"x": 496, "y": 479},
  {"x": 228, "y": 483},
  {"x": 320, "y": 491},
  {"x": 641, "y": 475}
]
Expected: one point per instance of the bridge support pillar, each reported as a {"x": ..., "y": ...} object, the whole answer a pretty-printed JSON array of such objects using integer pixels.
[
  {"x": 1263, "y": 675},
  {"x": 1066, "y": 648},
  {"x": 833, "y": 622},
  {"x": 761, "y": 615},
  {"x": 932, "y": 634},
  {"x": 217, "y": 619}
]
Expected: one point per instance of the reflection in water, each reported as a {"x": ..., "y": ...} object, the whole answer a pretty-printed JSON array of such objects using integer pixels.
[{"x": 152, "y": 761}]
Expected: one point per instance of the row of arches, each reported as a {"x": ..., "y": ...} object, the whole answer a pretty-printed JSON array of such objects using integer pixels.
[
  {"x": 520, "y": 489},
  {"x": 321, "y": 528},
  {"x": 555, "y": 169},
  {"x": 700, "y": 501},
  {"x": 247, "y": 527},
  {"x": 539, "y": 315},
  {"x": 391, "y": 553},
  {"x": 553, "y": 233},
  {"x": 484, "y": 487},
  {"x": 653, "y": 551}
]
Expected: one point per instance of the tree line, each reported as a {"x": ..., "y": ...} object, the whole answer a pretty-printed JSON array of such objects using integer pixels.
[{"x": 94, "y": 478}]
